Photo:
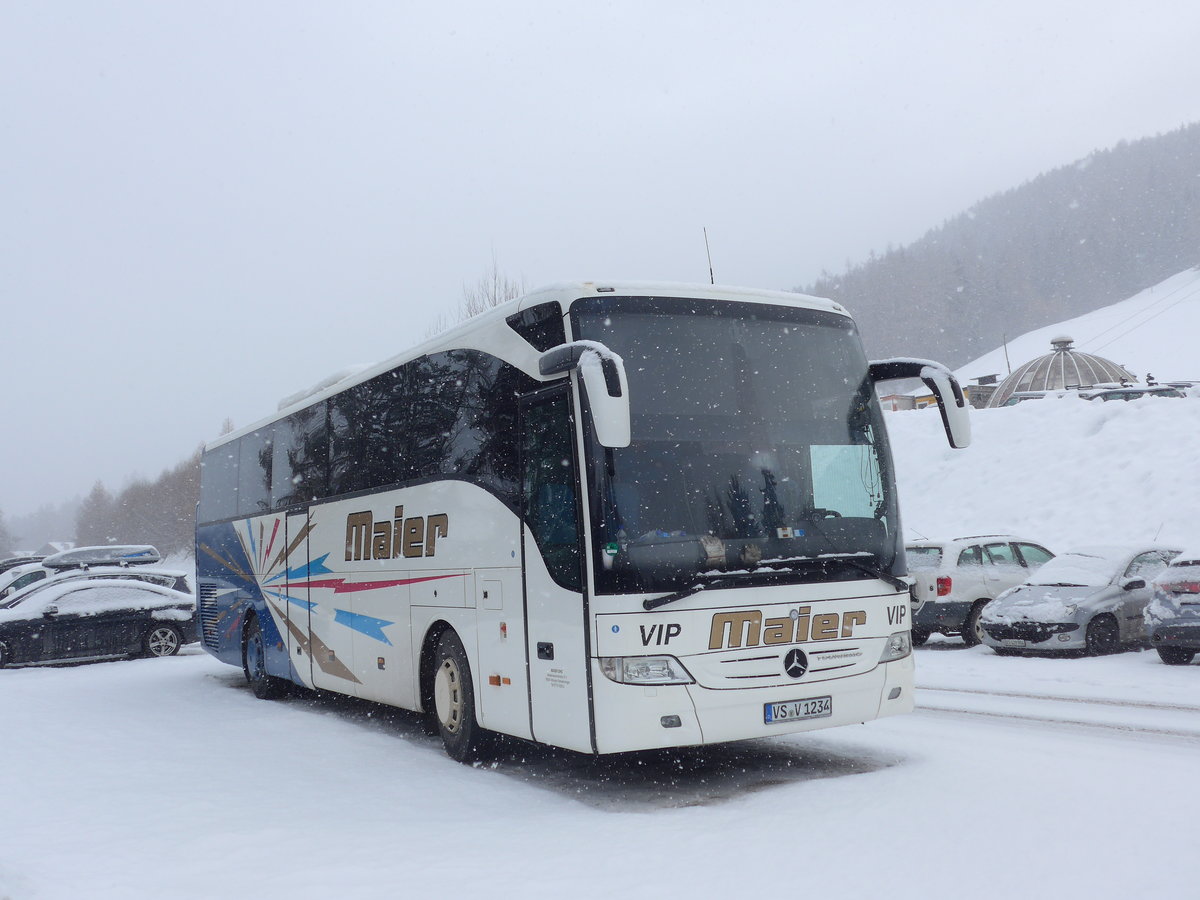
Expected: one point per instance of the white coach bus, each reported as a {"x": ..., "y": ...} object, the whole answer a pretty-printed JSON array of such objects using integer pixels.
[{"x": 604, "y": 517}]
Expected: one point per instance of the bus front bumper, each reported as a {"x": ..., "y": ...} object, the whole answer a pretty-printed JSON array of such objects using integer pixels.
[{"x": 633, "y": 717}]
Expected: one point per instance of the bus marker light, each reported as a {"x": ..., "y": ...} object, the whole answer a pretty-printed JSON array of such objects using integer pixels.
[
  {"x": 503, "y": 630},
  {"x": 494, "y": 680}
]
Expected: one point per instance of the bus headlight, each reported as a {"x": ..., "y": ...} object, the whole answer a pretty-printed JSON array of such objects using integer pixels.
[
  {"x": 644, "y": 670},
  {"x": 898, "y": 646}
]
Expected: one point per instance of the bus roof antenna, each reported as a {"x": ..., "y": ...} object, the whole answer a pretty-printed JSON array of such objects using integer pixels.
[{"x": 711, "y": 280}]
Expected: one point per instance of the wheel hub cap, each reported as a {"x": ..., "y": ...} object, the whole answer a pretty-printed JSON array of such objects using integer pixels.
[{"x": 447, "y": 696}]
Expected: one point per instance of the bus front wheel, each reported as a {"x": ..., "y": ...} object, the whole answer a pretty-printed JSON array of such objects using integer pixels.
[
  {"x": 454, "y": 702},
  {"x": 254, "y": 664}
]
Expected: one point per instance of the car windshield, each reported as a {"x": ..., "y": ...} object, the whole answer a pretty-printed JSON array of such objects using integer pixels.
[
  {"x": 756, "y": 437},
  {"x": 923, "y": 557},
  {"x": 1077, "y": 570}
]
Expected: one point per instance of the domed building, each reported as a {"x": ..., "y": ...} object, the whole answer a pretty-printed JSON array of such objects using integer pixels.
[{"x": 1064, "y": 368}]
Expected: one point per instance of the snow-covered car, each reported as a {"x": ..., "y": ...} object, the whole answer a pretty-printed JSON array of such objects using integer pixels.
[
  {"x": 92, "y": 618},
  {"x": 14, "y": 561},
  {"x": 1132, "y": 393},
  {"x": 1172, "y": 618},
  {"x": 1091, "y": 599},
  {"x": 20, "y": 577},
  {"x": 137, "y": 562},
  {"x": 954, "y": 580}
]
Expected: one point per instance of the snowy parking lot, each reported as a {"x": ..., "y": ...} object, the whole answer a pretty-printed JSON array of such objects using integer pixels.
[{"x": 1015, "y": 777}]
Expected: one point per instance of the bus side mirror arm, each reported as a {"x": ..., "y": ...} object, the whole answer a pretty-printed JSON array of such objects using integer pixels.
[
  {"x": 602, "y": 374},
  {"x": 941, "y": 381}
]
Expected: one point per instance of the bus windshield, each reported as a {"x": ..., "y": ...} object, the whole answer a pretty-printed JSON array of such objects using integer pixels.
[{"x": 758, "y": 447}]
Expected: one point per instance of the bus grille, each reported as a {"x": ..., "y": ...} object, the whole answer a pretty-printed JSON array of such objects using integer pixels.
[{"x": 209, "y": 631}]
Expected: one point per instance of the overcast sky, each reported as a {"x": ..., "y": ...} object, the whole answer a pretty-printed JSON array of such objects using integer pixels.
[{"x": 206, "y": 206}]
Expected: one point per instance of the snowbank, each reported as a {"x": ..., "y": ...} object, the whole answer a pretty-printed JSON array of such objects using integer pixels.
[{"x": 1064, "y": 472}]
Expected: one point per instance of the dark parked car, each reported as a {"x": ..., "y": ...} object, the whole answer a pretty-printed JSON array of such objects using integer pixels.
[
  {"x": 1173, "y": 616},
  {"x": 96, "y": 617}
]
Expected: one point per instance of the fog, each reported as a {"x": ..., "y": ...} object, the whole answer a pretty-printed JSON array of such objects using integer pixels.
[{"x": 209, "y": 206}]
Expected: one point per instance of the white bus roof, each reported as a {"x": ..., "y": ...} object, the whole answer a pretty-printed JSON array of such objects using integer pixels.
[{"x": 507, "y": 344}]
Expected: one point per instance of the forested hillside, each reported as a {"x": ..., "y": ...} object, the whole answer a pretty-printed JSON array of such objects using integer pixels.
[{"x": 1071, "y": 240}]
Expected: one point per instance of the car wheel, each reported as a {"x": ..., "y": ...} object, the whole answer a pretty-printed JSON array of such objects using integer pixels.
[
  {"x": 162, "y": 640},
  {"x": 1175, "y": 656},
  {"x": 254, "y": 664},
  {"x": 454, "y": 702},
  {"x": 920, "y": 636},
  {"x": 1103, "y": 636},
  {"x": 972, "y": 633}
]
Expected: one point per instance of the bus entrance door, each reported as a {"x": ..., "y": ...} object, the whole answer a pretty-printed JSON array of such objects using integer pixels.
[
  {"x": 296, "y": 594},
  {"x": 555, "y": 612}
]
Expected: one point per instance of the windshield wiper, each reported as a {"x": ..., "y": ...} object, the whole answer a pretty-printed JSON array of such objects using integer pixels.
[
  {"x": 749, "y": 578},
  {"x": 857, "y": 562},
  {"x": 775, "y": 567}
]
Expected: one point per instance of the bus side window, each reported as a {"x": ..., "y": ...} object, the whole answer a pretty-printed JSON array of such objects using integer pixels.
[{"x": 550, "y": 487}]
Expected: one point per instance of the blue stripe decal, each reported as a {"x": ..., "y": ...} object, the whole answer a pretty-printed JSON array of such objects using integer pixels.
[
  {"x": 305, "y": 604},
  {"x": 253, "y": 546},
  {"x": 368, "y": 625},
  {"x": 316, "y": 567}
]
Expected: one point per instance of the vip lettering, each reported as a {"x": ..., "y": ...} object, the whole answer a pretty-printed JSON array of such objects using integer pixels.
[
  {"x": 747, "y": 627},
  {"x": 897, "y": 614},
  {"x": 415, "y": 536},
  {"x": 660, "y": 634}
]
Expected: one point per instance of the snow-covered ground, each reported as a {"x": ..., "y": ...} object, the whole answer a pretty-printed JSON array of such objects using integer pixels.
[{"x": 166, "y": 778}]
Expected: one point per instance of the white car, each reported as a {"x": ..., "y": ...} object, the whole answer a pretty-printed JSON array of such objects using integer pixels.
[
  {"x": 92, "y": 562},
  {"x": 20, "y": 577},
  {"x": 956, "y": 578}
]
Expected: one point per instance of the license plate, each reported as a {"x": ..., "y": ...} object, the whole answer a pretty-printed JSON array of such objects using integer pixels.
[
  {"x": 1012, "y": 642},
  {"x": 792, "y": 710}
]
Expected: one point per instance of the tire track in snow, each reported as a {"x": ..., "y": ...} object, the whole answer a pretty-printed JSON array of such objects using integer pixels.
[{"x": 1137, "y": 719}]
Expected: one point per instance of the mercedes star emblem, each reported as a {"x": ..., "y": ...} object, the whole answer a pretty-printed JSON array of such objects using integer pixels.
[{"x": 795, "y": 663}]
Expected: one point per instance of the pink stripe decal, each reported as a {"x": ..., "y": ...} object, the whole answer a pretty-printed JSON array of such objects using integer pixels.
[
  {"x": 274, "y": 531},
  {"x": 340, "y": 586}
]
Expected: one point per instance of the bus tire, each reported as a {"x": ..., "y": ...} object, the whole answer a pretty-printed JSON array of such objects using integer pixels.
[
  {"x": 454, "y": 702},
  {"x": 254, "y": 664}
]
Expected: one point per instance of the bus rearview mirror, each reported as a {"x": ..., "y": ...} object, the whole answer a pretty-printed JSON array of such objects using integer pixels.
[
  {"x": 941, "y": 382},
  {"x": 602, "y": 374}
]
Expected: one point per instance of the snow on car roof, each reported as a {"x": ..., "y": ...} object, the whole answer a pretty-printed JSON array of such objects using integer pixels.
[
  {"x": 52, "y": 591},
  {"x": 119, "y": 555}
]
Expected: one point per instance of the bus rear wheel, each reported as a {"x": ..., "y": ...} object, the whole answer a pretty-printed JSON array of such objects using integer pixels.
[{"x": 454, "y": 702}]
